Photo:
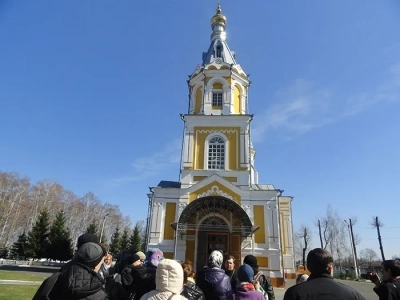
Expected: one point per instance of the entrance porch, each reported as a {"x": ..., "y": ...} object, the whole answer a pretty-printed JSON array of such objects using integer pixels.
[{"x": 212, "y": 223}]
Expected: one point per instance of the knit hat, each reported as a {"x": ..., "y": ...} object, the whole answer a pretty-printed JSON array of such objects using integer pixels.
[
  {"x": 215, "y": 259},
  {"x": 90, "y": 254},
  {"x": 141, "y": 255},
  {"x": 86, "y": 238},
  {"x": 245, "y": 273},
  {"x": 135, "y": 257},
  {"x": 251, "y": 260},
  {"x": 153, "y": 256}
]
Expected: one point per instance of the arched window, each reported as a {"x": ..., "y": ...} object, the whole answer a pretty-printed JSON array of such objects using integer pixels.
[
  {"x": 216, "y": 153},
  {"x": 218, "y": 51}
]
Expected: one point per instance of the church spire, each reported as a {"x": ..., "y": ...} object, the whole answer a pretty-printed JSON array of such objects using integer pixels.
[
  {"x": 218, "y": 24},
  {"x": 218, "y": 49}
]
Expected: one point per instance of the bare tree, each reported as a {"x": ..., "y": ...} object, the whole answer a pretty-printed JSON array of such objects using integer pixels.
[
  {"x": 21, "y": 202},
  {"x": 369, "y": 255},
  {"x": 332, "y": 233},
  {"x": 304, "y": 239}
]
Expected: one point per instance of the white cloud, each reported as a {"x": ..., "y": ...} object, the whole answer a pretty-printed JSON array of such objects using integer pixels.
[
  {"x": 160, "y": 160},
  {"x": 154, "y": 164},
  {"x": 304, "y": 106},
  {"x": 299, "y": 108}
]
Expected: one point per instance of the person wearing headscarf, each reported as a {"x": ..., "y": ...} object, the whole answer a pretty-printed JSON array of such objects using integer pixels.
[
  {"x": 212, "y": 280},
  {"x": 169, "y": 282}
]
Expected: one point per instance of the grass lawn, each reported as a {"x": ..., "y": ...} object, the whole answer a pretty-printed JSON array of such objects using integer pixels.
[
  {"x": 18, "y": 275},
  {"x": 17, "y": 292}
]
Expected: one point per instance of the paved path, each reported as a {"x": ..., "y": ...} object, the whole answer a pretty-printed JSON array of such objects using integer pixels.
[
  {"x": 364, "y": 288},
  {"x": 42, "y": 271},
  {"x": 20, "y": 282}
]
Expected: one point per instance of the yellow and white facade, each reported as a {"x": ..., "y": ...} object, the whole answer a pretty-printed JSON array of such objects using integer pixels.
[{"x": 218, "y": 203}]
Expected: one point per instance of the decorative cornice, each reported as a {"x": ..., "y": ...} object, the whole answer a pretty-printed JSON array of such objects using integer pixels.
[
  {"x": 215, "y": 191},
  {"x": 216, "y": 130}
]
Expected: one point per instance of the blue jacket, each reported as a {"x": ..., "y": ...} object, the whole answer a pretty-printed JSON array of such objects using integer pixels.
[{"x": 214, "y": 283}]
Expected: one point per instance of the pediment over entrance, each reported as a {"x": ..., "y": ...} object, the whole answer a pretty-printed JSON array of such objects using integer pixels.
[{"x": 214, "y": 186}]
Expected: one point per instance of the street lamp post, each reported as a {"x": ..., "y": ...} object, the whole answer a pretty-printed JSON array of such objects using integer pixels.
[{"x": 102, "y": 226}]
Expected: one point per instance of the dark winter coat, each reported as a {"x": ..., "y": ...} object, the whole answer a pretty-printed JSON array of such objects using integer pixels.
[
  {"x": 192, "y": 292},
  {"x": 388, "y": 290},
  {"x": 322, "y": 287},
  {"x": 139, "y": 280},
  {"x": 214, "y": 283},
  {"x": 78, "y": 281}
]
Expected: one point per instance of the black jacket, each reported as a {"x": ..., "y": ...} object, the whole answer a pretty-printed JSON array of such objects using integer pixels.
[
  {"x": 322, "y": 287},
  {"x": 139, "y": 280},
  {"x": 192, "y": 292},
  {"x": 214, "y": 283},
  {"x": 388, "y": 290},
  {"x": 78, "y": 281}
]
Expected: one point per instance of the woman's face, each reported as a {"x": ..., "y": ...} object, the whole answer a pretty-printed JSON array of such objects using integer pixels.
[{"x": 108, "y": 259}]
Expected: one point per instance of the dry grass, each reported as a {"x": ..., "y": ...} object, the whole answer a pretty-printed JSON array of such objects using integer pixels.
[{"x": 17, "y": 292}]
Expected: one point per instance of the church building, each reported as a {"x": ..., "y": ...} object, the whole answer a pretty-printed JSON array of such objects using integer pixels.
[{"x": 218, "y": 203}]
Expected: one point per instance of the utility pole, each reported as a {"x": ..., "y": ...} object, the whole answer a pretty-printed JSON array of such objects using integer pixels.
[
  {"x": 376, "y": 223},
  {"x": 354, "y": 247},
  {"x": 320, "y": 234}
]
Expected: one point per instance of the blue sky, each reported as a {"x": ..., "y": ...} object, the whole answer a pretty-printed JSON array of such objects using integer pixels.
[{"x": 91, "y": 92}]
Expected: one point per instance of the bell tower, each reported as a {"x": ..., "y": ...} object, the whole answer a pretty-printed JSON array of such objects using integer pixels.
[
  {"x": 217, "y": 126},
  {"x": 218, "y": 204}
]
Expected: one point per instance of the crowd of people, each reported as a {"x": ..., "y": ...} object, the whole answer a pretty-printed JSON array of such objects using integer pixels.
[{"x": 149, "y": 276}]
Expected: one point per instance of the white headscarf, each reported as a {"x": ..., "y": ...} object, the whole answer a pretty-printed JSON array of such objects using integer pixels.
[
  {"x": 215, "y": 259},
  {"x": 303, "y": 278}
]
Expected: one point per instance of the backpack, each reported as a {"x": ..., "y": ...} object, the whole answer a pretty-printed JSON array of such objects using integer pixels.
[
  {"x": 46, "y": 287},
  {"x": 260, "y": 288}
]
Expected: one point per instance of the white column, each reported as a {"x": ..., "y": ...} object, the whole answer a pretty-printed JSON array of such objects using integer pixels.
[
  {"x": 243, "y": 104},
  {"x": 227, "y": 105},
  {"x": 242, "y": 144},
  {"x": 207, "y": 101},
  {"x": 186, "y": 148},
  {"x": 190, "y": 145}
]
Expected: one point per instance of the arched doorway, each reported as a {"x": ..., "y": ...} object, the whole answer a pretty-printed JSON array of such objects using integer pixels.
[{"x": 213, "y": 223}]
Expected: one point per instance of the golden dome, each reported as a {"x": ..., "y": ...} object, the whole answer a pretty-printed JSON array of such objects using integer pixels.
[{"x": 218, "y": 17}]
